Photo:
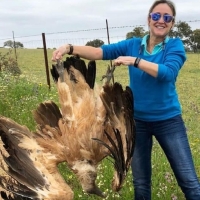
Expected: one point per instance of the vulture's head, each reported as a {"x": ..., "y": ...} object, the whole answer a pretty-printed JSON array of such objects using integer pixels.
[{"x": 87, "y": 174}]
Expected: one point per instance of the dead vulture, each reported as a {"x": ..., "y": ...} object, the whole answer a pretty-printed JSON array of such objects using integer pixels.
[{"x": 90, "y": 124}]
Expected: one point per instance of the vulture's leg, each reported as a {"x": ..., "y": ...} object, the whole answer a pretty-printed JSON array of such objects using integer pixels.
[{"x": 109, "y": 74}]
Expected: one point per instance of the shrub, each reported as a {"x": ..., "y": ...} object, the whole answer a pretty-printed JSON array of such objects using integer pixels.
[{"x": 8, "y": 63}]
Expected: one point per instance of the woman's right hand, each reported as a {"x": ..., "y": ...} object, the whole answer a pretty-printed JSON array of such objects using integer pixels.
[{"x": 60, "y": 51}]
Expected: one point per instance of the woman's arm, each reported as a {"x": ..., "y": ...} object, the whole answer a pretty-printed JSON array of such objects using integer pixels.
[
  {"x": 168, "y": 69},
  {"x": 146, "y": 66},
  {"x": 87, "y": 52}
]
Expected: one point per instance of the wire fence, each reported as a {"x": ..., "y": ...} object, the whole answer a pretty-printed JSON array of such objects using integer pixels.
[{"x": 80, "y": 37}]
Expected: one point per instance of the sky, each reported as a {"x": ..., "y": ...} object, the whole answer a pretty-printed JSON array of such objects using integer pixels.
[{"x": 62, "y": 20}]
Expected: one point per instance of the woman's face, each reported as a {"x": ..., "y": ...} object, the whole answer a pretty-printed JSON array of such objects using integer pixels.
[{"x": 160, "y": 28}]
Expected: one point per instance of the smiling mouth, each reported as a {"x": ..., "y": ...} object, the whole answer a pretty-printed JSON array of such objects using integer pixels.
[{"x": 160, "y": 27}]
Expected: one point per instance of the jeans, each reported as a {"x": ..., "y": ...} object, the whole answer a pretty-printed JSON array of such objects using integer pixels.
[{"x": 172, "y": 137}]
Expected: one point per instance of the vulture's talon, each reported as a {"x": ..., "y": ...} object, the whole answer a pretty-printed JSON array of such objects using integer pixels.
[{"x": 109, "y": 74}]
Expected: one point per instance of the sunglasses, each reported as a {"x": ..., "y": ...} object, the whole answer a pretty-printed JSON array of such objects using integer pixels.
[{"x": 166, "y": 17}]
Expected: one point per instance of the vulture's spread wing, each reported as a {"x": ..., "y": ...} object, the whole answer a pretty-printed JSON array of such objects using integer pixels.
[
  {"x": 30, "y": 160},
  {"x": 119, "y": 107}
]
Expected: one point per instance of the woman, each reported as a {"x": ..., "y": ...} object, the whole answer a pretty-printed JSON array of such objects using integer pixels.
[{"x": 154, "y": 62}]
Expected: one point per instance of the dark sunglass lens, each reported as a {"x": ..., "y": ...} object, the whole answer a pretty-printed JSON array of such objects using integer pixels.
[
  {"x": 155, "y": 16},
  {"x": 167, "y": 18}
]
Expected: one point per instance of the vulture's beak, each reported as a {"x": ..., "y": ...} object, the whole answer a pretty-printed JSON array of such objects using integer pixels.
[{"x": 95, "y": 190}]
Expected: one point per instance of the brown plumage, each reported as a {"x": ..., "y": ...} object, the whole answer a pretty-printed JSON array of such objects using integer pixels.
[
  {"x": 31, "y": 159},
  {"x": 90, "y": 125}
]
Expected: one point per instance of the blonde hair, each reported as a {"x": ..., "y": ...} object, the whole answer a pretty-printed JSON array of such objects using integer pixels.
[{"x": 168, "y": 2}]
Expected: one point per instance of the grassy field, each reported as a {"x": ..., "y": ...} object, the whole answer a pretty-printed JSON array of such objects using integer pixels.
[{"x": 19, "y": 96}]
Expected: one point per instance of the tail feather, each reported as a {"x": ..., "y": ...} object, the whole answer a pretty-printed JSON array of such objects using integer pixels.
[
  {"x": 14, "y": 190},
  {"x": 49, "y": 135},
  {"x": 16, "y": 161},
  {"x": 19, "y": 162},
  {"x": 9, "y": 196},
  {"x": 47, "y": 113},
  {"x": 116, "y": 149},
  {"x": 91, "y": 74},
  {"x": 54, "y": 73},
  {"x": 111, "y": 97},
  {"x": 119, "y": 106},
  {"x": 77, "y": 63},
  {"x": 130, "y": 124}
]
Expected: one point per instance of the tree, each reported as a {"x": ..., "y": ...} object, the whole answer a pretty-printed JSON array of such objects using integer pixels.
[
  {"x": 195, "y": 40},
  {"x": 18, "y": 45},
  {"x": 95, "y": 43},
  {"x": 183, "y": 31},
  {"x": 8, "y": 43},
  {"x": 137, "y": 32},
  {"x": 11, "y": 44}
]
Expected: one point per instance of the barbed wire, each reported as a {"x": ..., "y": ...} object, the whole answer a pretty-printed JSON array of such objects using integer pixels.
[
  {"x": 73, "y": 31},
  {"x": 84, "y": 38},
  {"x": 92, "y": 29}
]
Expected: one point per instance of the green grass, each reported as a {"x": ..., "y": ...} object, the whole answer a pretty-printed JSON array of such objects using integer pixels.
[{"x": 20, "y": 95}]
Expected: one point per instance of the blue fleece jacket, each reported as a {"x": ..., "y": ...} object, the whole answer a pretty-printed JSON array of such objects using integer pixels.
[{"x": 154, "y": 98}]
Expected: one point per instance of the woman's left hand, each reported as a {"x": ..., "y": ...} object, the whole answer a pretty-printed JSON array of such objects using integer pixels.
[{"x": 124, "y": 60}]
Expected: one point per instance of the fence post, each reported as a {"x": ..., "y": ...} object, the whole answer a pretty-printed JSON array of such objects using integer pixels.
[
  {"x": 46, "y": 59},
  {"x": 108, "y": 36},
  {"x": 14, "y": 46}
]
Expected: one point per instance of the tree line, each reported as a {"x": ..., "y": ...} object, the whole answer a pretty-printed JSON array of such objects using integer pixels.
[{"x": 190, "y": 38}]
